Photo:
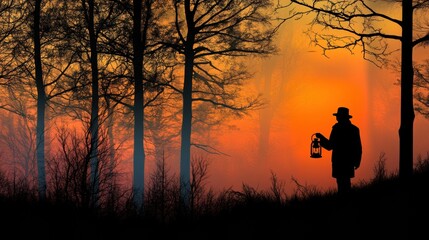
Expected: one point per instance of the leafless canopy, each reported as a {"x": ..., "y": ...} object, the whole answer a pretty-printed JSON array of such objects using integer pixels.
[{"x": 358, "y": 24}]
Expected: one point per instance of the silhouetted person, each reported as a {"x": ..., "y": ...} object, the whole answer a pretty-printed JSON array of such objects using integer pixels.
[{"x": 346, "y": 147}]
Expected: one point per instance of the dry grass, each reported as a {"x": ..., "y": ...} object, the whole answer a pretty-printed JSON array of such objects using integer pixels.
[{"x": 384, "y": 208}]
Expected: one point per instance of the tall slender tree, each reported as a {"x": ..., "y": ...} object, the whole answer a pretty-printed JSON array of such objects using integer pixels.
[
  {"x": 89, "y": 25},
  {"x": 204, "y": 33},
  {"x": 34, "y": 47},
  {"x": 134, "y": 45},
  {"x": 139, "y": 40},
  {"x": 88, "y": 7},
  {"x": 41, "y": 103},
  {"x": 147, "y": 78}
]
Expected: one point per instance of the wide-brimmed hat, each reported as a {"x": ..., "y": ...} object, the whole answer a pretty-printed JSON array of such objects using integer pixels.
[{"x": 343, "y": 111}]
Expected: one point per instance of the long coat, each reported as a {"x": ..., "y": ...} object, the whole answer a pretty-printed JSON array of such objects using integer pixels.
[{"x": 346, "y": 147}]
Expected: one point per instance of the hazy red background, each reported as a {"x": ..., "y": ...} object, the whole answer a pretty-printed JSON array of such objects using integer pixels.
[{"x": 304, "y": 88}]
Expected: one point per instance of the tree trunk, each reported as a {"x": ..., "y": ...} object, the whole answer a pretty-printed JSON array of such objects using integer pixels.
[
  {"x": 185, "y": 151},
  {"x": 407, "y": 108},
  {"x": 139, "y": 155},
  {"x": 94, "y": 126},
  {"x": 41, "y": 105}
]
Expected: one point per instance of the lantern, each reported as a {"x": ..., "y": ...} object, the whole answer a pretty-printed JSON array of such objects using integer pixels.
[{"x": 315, "y": 147}]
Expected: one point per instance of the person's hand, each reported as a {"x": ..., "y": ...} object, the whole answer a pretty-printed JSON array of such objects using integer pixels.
[{"x": 356, "y": 167}]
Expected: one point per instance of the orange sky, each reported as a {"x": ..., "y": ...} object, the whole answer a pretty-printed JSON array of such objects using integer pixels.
[{"x": 304, "y": 88}]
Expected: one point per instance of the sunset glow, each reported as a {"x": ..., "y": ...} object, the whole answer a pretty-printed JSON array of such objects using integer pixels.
[
  {"x": 304, "y": 90},
  {"x": 301, "y": 89},
  {"x": 226, "y": 119}
]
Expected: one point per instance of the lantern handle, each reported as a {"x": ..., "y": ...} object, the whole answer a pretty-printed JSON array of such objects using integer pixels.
[{"x": 312, "y": 136}]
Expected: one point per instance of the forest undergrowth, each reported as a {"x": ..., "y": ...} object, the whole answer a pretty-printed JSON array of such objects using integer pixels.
[{"x": 386, "y": 207}]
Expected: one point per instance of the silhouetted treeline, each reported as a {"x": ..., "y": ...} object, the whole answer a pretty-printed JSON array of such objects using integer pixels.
[{"x": 163, "y": 72}]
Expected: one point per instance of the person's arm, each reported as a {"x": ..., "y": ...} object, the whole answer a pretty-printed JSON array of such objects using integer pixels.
[{"x": 324, "y": 142}]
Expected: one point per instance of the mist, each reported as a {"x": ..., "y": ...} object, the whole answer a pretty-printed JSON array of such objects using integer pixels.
[{"x": 302, "y": 89}]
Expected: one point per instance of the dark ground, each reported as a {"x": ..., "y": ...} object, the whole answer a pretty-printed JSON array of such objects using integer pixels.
[{"x": 381, "y": 210}]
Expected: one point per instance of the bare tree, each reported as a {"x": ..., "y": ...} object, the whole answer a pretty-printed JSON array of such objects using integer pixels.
[
  {"x": 33, "y": 52},
  {"x": 362, "y": 24},
  {"x": 139, "y": 52},
  {"x": 162, "y": 197},
  {"x": 41, "y": 102},
  {"x": 209, "y": 34},
  {"x": 199, "y": 177},
  {"x": 87, "y": 25},
  {"x": 71, "y": 179},
  {"x": 139, "y": 42},
  {"x": 89, "y": 12}
]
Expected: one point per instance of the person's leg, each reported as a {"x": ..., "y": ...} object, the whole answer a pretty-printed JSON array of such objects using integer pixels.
[{"x": 344, "y": 185}]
